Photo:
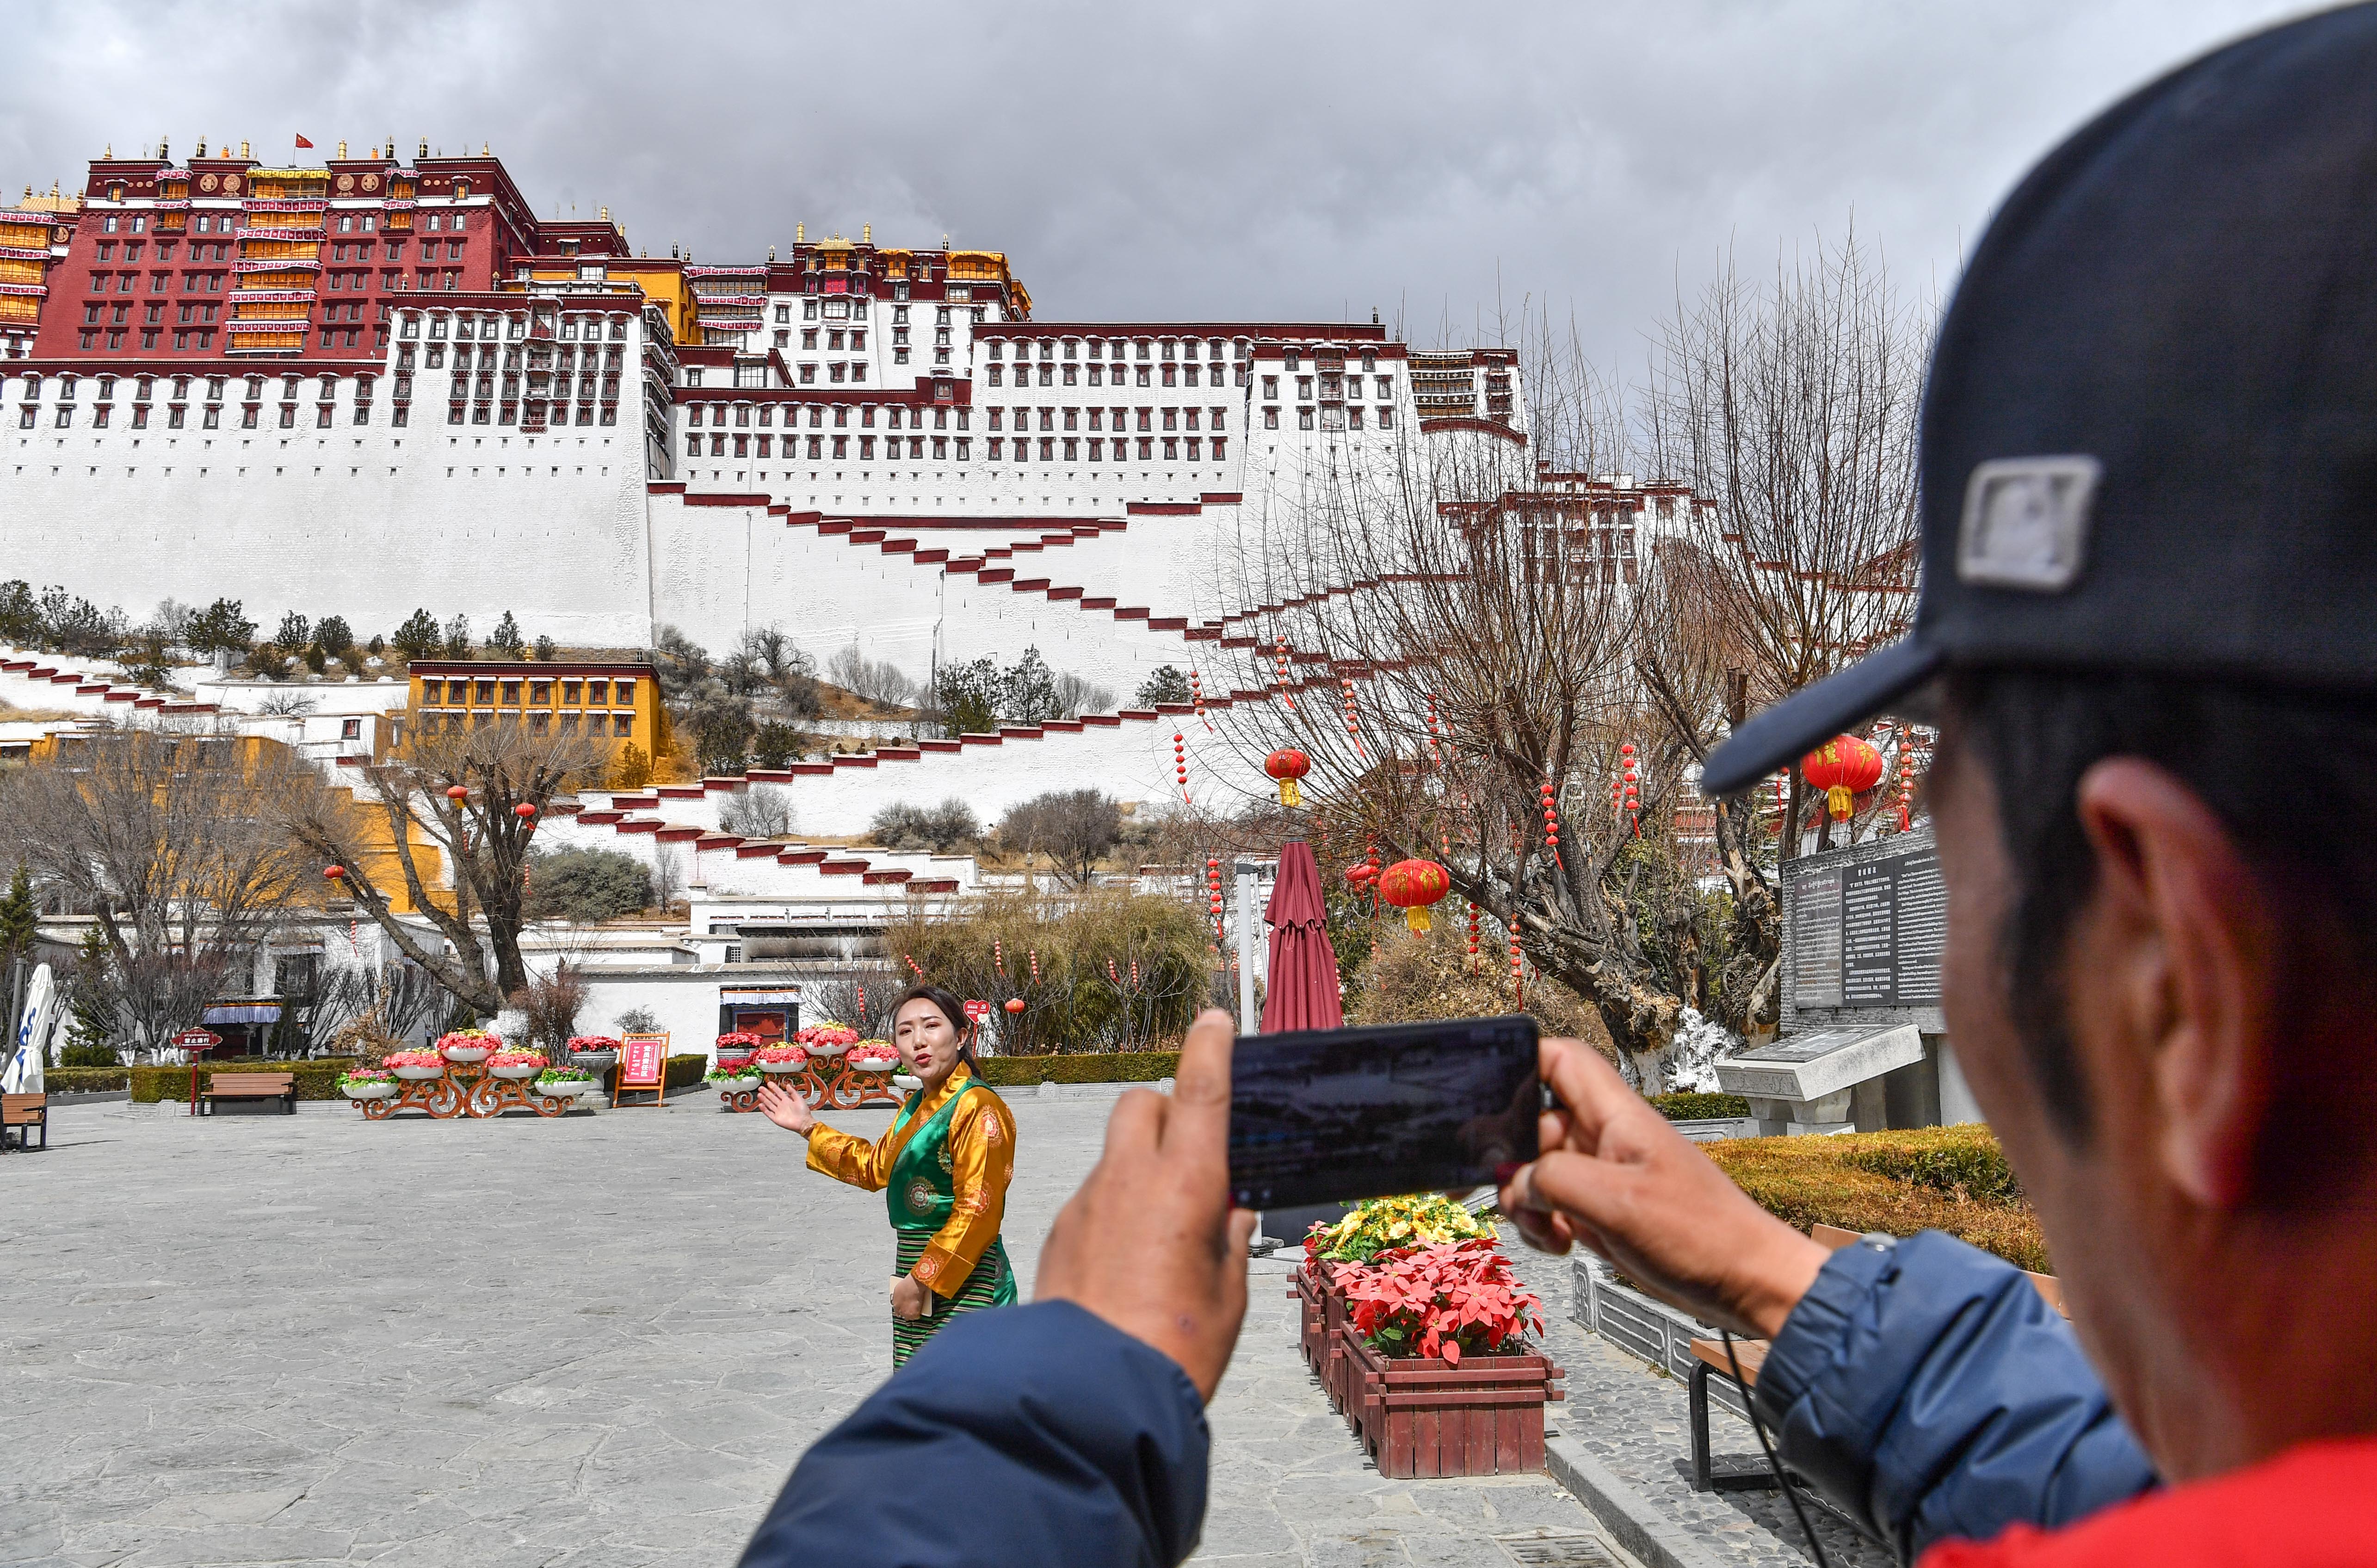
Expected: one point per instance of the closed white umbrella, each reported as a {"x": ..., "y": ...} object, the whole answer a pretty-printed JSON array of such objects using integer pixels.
[{"x": 23, "y": 1073}]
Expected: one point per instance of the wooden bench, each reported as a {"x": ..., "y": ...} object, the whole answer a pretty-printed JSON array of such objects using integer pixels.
[
  {"x": 1709, "y": 1358},
  {"x": 24, "y": 1112},
  {"x": 282, "y": 1086}
]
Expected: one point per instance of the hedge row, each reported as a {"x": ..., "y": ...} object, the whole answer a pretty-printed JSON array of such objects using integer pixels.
[
  {"x": 317, "y": 1079},
  {"x": 1951, "y": 1179},
  {"x": 1094, "y": 1067},
  {"x": 1687, "y": 1107},
  {"x": 84, "y": 1080}
]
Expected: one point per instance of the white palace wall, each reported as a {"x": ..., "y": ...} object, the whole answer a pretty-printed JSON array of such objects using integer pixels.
[{"x": 368, "y": 522}]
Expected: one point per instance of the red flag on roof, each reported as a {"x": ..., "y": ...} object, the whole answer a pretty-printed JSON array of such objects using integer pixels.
[{"x": 302, "y": 142}]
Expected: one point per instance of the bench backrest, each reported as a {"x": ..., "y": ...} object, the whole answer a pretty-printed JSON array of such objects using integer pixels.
[
  {"x": 238, "y": 1080},
  {"x": 23, "y": 1107}
]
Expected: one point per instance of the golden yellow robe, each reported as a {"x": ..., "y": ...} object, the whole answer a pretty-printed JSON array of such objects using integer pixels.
[{"x": 982, "y": 1154}]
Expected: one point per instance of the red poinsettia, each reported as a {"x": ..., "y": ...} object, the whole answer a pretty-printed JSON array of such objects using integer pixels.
[{"x": 1442, "y": 1301}]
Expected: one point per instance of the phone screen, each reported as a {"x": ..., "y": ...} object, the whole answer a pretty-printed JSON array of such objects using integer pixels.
[{"x": 1328, "y": 1115}]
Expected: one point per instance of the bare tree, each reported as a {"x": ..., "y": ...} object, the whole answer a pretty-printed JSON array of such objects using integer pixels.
[
  {"x": 757, "y": 811},
  {"x": 445, "y": 809},
  {"x": 1072, "y": 827},
  {"x": 167, "y": 839}
]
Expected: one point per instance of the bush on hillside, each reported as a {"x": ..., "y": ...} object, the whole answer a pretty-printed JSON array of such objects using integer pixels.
[
  {"x": 944, "y": 828},
  {"x": 586, "y": 885}
]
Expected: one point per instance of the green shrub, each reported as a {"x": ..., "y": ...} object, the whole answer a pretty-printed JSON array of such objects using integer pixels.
[
  {"x": 677, "y": 1073},
  {"x": 84, "y": 1080},
  {"x": 1687, "y": 1107},
  {"x": 1099, "y": 1067},
  {"x": 97, "y": 1054},
  {"x": 316, "y": 1079},
  {"x": 1950, "y": 1179},
  {"x": 586, "y": 885}
]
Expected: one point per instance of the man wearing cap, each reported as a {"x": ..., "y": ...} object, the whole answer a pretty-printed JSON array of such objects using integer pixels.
[{"x": 2148, "y": 635}]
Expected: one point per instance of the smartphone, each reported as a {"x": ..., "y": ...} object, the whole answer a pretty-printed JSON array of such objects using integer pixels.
[{"x": 1324, "y": 1116}]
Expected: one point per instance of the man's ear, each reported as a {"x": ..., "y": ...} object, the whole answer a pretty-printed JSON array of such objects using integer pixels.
[{"x": 2191, "y": 956}]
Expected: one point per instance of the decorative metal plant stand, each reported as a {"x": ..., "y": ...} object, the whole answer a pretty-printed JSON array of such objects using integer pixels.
[{"x": 467, "y": 1088}]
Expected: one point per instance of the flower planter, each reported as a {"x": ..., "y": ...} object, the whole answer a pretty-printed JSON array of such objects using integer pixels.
[
  {"x": 564, "y": 1086},
  {"x": 735, "y": 1085},
  {"x": 371, "y": 1091},
  {"x": 1421, "y": 1415},
  {"x": 515, "y": 1071},
  {"x": 875, "y": 1065},
  {"x": 469, "y": 1053},
  {"x": 781, "y": 1069},
  {"x": 418, "y": 1074}
]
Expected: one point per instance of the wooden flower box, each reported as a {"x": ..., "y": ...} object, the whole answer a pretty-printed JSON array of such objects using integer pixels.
[
  {"x": 1422, "y": 1415},
  {"x": 1322, "y": 1320}
]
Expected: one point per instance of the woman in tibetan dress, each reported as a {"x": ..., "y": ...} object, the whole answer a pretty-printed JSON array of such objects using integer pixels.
[{"x": 943, "y": 1168}]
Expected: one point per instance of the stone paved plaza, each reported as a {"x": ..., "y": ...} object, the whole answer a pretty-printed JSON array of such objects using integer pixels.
[{"x": 604, "y": 1339}]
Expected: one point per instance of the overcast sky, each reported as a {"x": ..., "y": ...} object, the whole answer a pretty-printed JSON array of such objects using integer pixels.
[{"x": 1213, "y": 162}]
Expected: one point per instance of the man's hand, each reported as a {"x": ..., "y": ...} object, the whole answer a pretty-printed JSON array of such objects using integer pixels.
[
  {"x": 1149, "y": 1243},
  {"x": 908, "y": 1298},
  {"x": 784, "y": 1106},
  {"x": 1614, "y": 1174}
]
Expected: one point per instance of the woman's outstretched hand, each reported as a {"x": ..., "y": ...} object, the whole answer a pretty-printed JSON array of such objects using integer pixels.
[
  {"x": 782, "y": 1104},
  {"x": 1149, "y": 1243},
  {"x": 1614, "y": 1174}
]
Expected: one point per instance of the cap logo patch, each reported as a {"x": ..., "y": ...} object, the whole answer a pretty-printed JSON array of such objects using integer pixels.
[{"x": 2025, "y": 522}]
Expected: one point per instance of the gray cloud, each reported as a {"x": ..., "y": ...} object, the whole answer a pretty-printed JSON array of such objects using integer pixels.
[{"x": 1229, "y": 161}]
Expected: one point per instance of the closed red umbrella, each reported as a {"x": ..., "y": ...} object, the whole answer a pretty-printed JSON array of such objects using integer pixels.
[{"x": 1303, "y": 990}]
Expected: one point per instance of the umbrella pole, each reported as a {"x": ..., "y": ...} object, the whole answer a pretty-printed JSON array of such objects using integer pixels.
[{"x": 1247, "y": 1023}]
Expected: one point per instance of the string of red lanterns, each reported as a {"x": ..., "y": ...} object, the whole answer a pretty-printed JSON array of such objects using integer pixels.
[
  {"x": 1197, "y": 696},
  {"x": 1180, "y": 766},
  {"x": 1551, "y": 824},
  {"x": 1283, "y": 689},
  {"x": 1472, "y": 937},
  {"x": 1353, "y": 725},
  {"x": 1214, "y": 896}
]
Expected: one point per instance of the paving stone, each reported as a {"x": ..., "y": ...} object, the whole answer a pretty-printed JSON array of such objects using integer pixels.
[{"x": 600, "y": 1340}]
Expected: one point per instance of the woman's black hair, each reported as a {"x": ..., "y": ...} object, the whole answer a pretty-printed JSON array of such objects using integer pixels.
[{"x": 951, "y": 1008}]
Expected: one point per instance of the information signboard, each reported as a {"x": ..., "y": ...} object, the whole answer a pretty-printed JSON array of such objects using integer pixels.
[
  {"x": 643, "y": 1063},
  {"x": 1865, "y": 928},
  {"x": 194, "y": 1043}
]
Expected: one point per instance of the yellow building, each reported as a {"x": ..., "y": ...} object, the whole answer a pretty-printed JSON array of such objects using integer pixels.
[{"x": 618, "y": 702}]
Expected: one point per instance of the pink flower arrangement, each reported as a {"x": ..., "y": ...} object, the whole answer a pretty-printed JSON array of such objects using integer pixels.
[
  {"x": 470, "y": 1039},
  {"x": 772, "y": 1054},
  {"x": 1438, "y": 1300},
  {"x": 873, "y": 1050},
  {"x": 516, "y": 1057},
  {"x": 412, "y": 1058},
  {"x": 828, "y": 1034},
  {"x": 593, "y": 1043},
  {"x": 739, "y": 1040}
]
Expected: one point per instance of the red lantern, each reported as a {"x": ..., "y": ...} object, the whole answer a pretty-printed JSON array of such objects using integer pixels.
[
  {"x": 458, "y": 792},
  {"x": 334, "y": 872},
  {"x": 1411, "y": 886},
  {"x": 1286, "y": 767},
  {"x": 523, "y": 810},
  {"x": 1015, "y": 1004},
  {"x": 1359, "y": 874},
  {"x": 1842, "y": 768}
]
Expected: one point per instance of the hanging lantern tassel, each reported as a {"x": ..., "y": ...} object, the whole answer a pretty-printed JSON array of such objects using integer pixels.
[
  {"x": 1412, "y": 886},
  {"x": 1180, "y": 767},
  {"x": 1287, "y": 766}
]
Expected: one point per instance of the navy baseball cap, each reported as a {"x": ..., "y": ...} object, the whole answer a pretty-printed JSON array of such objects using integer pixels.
[{"x": 2149, "y": 438}]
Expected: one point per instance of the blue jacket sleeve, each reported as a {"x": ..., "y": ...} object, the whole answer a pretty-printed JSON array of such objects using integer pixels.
[
  {"x": 1929, "y": 1389},
  {"x": 1011, "y": 1437}
]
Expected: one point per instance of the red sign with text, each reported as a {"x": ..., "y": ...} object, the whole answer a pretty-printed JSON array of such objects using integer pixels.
[
  {"x": 195, "y": 1040},
  {"x": 639, "y": 1060},
  {"x": 977, "y": 1010}
]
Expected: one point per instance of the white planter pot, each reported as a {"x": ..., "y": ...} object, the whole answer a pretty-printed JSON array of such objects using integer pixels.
[
  {"x": 516, "y": 1072},
  {"x": 875, "y": 1065},
  {"x": 418, "y": 1073},
  {"x": 735, "y": 1085},
  {"x": 565, "y": 1086},
  {"x": 906, "y": 1081},
  {"x": 371, "y": 1091},
  {"x": 469, "y": 1053},
  {"x": 826, "y": 1051},
  {"x": 779, "y": 1068}
]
